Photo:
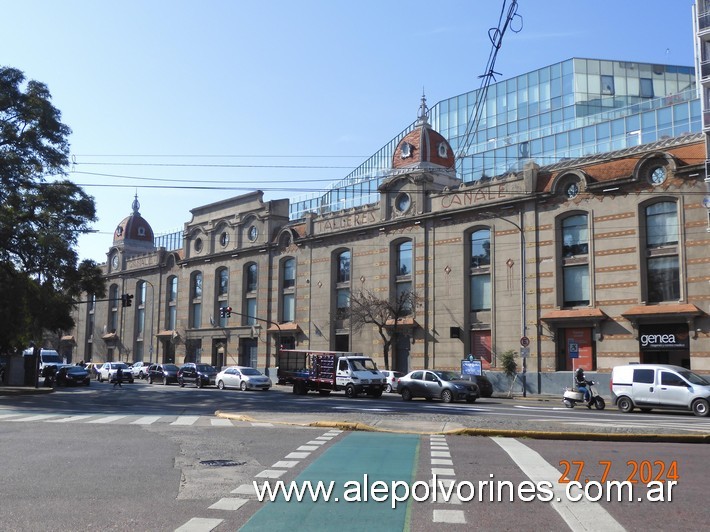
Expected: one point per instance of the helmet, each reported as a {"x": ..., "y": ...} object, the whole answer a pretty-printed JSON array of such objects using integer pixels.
[{"x": 580, "y": 372}]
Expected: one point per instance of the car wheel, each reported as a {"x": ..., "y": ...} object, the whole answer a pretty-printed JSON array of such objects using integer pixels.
[
  {"x": 220, "y": 385},
  {"x": 141, "y": 375},
  {"x": 243, "y": 386},
  {"x": 350, "y": 391},
  {"x": 406, "y": 394},
  {"x": 700, "y": 408},
  {"x": 625, "y": 404},
  {"x": 446, "y": 396},
  {"x": 388, "y": 388},
  {"x": 599, "y": 403}
]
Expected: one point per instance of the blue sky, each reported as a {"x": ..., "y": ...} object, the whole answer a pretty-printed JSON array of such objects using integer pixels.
[{"x": 238, "y": 95}]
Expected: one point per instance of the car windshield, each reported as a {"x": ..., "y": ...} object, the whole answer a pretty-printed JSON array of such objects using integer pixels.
[
  {"x": 50, "y": 358},
  {"x": 694, "y": 378},
  {"x": 363, "y": 364},
  {"x": 204, "y": 367},
  {"x": 250, "y": 371},
  {"x": 119, "y": 365},
  {"x": 76, "y": 369},
  {"x": 447, "y": 375},
  {"x": 170, "y": 367}
]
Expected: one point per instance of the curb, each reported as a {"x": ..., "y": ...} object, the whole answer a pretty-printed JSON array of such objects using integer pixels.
[
  {"x": 21, "y": 390},
  {"x": 505, "y": 433}
]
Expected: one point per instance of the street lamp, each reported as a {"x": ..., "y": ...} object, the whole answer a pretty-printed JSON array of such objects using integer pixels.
[{"x": 523, "y": 298}]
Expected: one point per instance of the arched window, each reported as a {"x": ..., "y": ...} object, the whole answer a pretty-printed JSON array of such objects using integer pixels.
[
  {"x": 575, "y": 260},
  {"x": 662, "y": 260},
  {"x": 251, "y": 284},
  {"x": 114, "y": 298},
  {"x": 172, "y": 293},
  {"x": 288, "y": 294},
  {"x": 196, "y": 301},
  {"x": 480, "y": 272},
  {"x": 342, "y": 285},
  {"x": 222, "y": 295},
  {"x": 403, "y": 276}
]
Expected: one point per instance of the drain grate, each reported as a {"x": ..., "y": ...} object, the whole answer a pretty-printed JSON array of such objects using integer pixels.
[{"x": 221, "y": 463}]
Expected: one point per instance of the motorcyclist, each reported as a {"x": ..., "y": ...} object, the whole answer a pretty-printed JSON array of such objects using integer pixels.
[{"x": 582, "y": 384}]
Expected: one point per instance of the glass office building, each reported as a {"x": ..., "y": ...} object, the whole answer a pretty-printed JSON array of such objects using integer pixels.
[{"x": 570, "y": 109}]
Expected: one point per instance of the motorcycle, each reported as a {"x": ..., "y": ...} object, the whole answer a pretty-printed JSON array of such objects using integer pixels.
[{"x": 572, "y": 396}]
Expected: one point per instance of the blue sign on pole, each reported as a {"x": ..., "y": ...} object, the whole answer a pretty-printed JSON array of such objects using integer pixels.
[
  {"x": 573, "y": 349},
  {"x": 469, "y": 367}
]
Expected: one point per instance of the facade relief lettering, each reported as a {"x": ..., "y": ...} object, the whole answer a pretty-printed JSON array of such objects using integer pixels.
[
  {"x": 473, "y": 197},
  {"x": 345, "y": 222}
]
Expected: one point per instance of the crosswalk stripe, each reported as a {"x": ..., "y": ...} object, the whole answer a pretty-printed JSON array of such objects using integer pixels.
[
  {"x": 219, "y": 422},
  {"x": 107, "y": 419},
  {"x": 185, "y": 420},
  {"x": 38, "y": 417},
  {"x": 145, "y": 420},
  {"x": 70, "y": 419}
]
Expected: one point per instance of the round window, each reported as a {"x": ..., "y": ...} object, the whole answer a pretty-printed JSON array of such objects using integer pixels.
[
  {"x": 198, "y": 244},
  {"x": 224, "y": 239},
  {"x": 253, "y": 233},
  {"x": 657, "y": 175},
  {"x": 403, "y": 202},
  {"x": 572, "y": 190}
]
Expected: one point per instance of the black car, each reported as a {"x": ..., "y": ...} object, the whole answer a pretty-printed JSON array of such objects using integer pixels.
[
  {"x": 484, "y": 384},
  {"x": 163, "y": 373},
  {"x": 198, "y": 374},
  {"x": 72, "y": 376}
]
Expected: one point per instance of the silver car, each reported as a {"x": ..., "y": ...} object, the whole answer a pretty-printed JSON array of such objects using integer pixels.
[
  {"x": 242, "y": 377},
  {"x": 435, "y": 384}
]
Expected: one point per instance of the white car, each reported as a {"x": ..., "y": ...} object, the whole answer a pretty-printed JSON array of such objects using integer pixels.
[
  {"x": 391, "y": 378},
  {"x": 242, "y": 377},
  {"x": 140, "y": 370},
  {"x": 107, "y": 372}
]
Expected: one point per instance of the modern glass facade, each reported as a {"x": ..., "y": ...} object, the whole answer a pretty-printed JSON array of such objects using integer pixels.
[{"x": 570, "y": 109}]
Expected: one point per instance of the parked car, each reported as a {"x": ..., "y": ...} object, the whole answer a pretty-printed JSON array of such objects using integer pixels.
[
  {"x": 434, "y": 384},
  {"x": 391, "y": 378},
  {"x": 648, "y": 386},
  {"x": 484, "y": 384},
  {"x": 73, "y": 376},
  {"x": 109, "y": 369},
  {"x": 140, "y": 369},
  {"x": 93, "y": 369},
  {"x": 163, "y": 373},
  {"x": 244, "y": 378},
  {"x": 198, "y": 374}
]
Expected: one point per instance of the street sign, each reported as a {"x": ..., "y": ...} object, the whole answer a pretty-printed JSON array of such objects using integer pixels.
[
  {"x": 470, "y": 367},
  {"x": 573, "y": 349},
  {"x": 524, "y": 352},
  {"x": 525, "y": 341}
]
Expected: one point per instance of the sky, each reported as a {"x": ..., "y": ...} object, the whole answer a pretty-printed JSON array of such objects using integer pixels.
[{"x": 284, "y": 96}]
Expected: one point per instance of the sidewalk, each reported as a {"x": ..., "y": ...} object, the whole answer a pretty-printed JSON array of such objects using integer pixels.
[{"x": 24, "y": 390}]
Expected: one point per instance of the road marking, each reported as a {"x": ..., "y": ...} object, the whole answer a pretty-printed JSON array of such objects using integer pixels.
[
  {"x": 298, "y": 455},
  {"x": 245, "y": 489},
  {"x": 107, "y": 419},
  {"x": 307, "y": 448},
  {"x": 449, "y": 516},
  {"x": 270, "y": 473},
  {"x": 230, "y": 504},
  {"x": 38, "y": 417},
  {"x": 185, "y": 420},
  {"x": 220, "y": 422},
  {"x": 285, "y": 464},
  {"x": 580, "y": 515},
  {"x": 200, "y": 524},
  {"x": 145, "y": 420},
  {"x": 70, "y": 419}
]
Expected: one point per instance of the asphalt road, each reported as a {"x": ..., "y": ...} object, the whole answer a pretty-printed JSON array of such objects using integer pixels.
[{"x": 78, "y": 476}]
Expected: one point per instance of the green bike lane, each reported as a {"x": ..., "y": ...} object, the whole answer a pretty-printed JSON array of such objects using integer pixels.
[{"x": 363, "y": 457}]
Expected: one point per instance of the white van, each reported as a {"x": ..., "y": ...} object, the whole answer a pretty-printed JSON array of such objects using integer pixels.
[
  {"x": 47, "y": 357},
  {"x": 649, "y": 386}
]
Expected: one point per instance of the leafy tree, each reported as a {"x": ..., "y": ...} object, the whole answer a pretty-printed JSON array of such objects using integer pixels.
[
  {"x": 40, "y": 220},
  {"x": 366, "y": 308},
  {"x": 508, "y": 363}
]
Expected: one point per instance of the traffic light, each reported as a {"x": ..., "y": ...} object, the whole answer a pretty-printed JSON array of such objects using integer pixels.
[
  {"x": 126, "y": 300},
  {"x": 228, "y": 311},
  {"x": 222, "y": 312}
]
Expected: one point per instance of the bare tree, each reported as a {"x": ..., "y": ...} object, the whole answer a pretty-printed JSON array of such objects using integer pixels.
[{"x": 366, "y": 308}]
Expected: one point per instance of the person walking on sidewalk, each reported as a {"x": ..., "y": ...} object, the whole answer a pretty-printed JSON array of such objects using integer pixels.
[{"x": 119, "y": 377}]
